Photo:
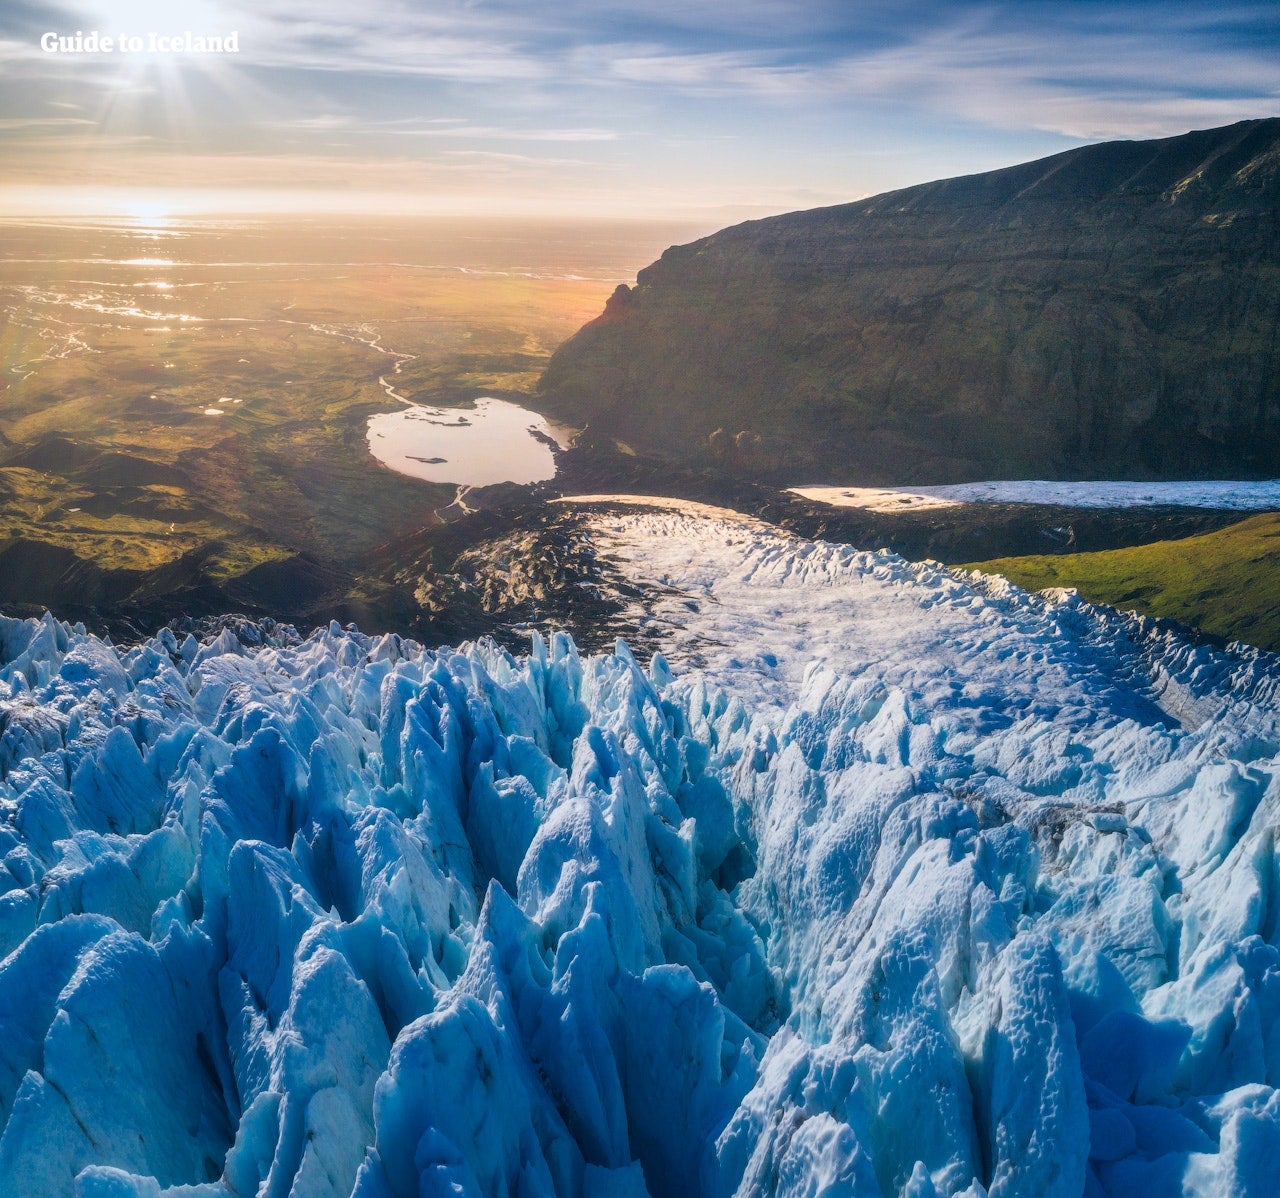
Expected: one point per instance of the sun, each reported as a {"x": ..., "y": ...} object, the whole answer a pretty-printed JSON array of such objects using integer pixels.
[{"x": 148, "y": 213}]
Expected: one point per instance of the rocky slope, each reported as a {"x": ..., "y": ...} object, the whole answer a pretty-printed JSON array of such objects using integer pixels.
[{"x": 1112, "y": 310}]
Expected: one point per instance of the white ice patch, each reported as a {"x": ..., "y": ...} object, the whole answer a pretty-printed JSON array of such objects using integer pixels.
[{"x": 1225, "y": 494}]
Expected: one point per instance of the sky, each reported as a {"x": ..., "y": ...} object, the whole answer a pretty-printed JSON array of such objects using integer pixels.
[{"x": 666, "y": 108}]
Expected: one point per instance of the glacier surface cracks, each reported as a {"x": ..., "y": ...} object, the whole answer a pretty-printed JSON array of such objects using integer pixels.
[{"x": 893, "y": 882}]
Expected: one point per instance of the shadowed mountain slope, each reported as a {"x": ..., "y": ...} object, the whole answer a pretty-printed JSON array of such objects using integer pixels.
[{"x": 1112, "y": 310}]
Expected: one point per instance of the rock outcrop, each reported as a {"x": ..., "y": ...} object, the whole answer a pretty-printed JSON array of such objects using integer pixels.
[{"x": 1112, "y": 310}]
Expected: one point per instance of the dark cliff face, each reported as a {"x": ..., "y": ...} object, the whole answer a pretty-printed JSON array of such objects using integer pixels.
[{"x": 1109, "y": 311}]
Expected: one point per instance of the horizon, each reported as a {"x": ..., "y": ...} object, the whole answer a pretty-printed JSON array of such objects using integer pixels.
[
  {"x": 159, "y": 207},
  {"x": 615, "y": 111}
]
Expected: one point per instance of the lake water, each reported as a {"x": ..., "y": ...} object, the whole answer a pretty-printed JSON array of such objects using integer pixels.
[{"x": 492, "y": 442}]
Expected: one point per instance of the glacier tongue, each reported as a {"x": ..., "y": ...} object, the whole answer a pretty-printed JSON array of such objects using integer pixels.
[{"x": 895, "y": 882}]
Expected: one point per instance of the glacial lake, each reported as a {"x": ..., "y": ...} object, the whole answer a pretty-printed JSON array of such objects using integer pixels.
[{"x": 492, "y": 442}]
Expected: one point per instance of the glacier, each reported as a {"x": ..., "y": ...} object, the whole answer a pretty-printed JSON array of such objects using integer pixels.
[
  {"x": 1245, "y": 495},
  {"x": 877, "y": 879}
]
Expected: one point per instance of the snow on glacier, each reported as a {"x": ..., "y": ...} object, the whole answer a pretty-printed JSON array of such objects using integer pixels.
[
  {"x": 1244, "y": 495},
  {"x": 884, "y": 880}
]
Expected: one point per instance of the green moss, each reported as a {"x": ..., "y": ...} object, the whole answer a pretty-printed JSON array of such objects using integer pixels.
[{"x": 1226, "y": 582}]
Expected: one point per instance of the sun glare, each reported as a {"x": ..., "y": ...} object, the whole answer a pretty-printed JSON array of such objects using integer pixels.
[
  {"x": 148, "y": 213},
  {"x": 160, "y": 16}
]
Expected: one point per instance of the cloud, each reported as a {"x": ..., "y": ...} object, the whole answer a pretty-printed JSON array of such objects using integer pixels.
[
  {"x": 1118, "y": 82},
  {"x": 22, "y": 122},
  {"x": 499, "y": 133},
  {"x": 323, "y": 121},
  {"x": 710, "y": 73},
  {"x": 1082, "y": 79},
  {"x": 517, "y": 160},
  {"x": 1074, "y": 69},
  {"x": 697, "y": 92},
  {"x": 465, "y": 46}
]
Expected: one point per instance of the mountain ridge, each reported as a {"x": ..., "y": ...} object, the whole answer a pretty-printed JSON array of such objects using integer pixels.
[{"x": 1110, "y": 309}]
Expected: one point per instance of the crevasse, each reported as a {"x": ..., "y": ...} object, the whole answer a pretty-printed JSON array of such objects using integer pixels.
[{"x": 344, "y": 916}]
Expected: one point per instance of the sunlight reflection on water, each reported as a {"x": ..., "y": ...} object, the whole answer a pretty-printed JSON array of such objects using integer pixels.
[{"x": 494, "y": 442}]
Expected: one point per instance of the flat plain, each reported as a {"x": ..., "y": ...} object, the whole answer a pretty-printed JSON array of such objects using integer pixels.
[{"x": 168, "y": 388}]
